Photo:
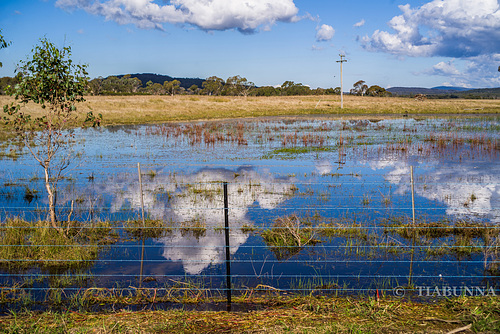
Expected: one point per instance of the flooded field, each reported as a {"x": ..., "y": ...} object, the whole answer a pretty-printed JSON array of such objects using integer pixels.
[{"x": 315, "y": 205}]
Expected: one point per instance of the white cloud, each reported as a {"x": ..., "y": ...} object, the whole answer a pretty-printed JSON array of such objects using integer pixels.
[
  {"x": 317, "y": 48},
  {"x": 244, "y": 15},
  {"x": 477, "y": 72},
  {"x": 452, "y": 28},
  {"x": 325, "y": 33},
  {"x": 445, "y": 69},
  {"x": 360, "y": 23}
]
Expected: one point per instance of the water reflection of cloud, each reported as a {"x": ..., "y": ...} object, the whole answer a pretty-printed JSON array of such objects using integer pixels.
[
  {"x": 467, "y": 189},
  {"x": 324, "y": 167},
  {"x": 198, "y": 198}
]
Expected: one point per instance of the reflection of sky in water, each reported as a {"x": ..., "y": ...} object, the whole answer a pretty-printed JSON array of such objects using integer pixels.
[
  {"x": 198, "y": 197},
  {"x": 182, "y": 183},
  {"x": 468, "y": 189}
]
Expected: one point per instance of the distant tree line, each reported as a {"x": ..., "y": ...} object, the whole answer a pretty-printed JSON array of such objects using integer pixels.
[{"x": 232, "y": 86}]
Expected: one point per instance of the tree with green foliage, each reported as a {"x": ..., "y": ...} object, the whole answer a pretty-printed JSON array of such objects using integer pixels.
[
  {"x": 193, "y": 89},
  {"x": 213, "y": 85},
  {"x": 6, "y": 82},
  {"x": 129, "y": 85},
  {"x": 154, "y": 88},
  {"x": 291, "y": 88},
  {"x": 237, "y": 85},
  {"x": 3, "y": 44},
  {"x": 111, "y": 84},
  {"x": 172, "y": 87},
  {"x": 333, "y": 91},
  {"x": 51, "y": 80},
  {"x": 115, "y": 85},
  {"x": 266, "y": 91},
  {"x": 377, "y": 91},
  {"x": 95, "y": 86},
  {"x": 359, "y": 89}
]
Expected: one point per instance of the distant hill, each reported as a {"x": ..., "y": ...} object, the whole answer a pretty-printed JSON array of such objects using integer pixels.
[
  {"x": 414, "y": 90},
  {"x": 447, "y": 92},
  {"x": 484, "y": 93},
  {"x": 158, "y": 78},
  {"x": 449, "y": 88}
]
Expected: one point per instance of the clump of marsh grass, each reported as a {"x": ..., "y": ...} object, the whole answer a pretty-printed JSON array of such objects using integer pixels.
[
  {"x": 151, "y": 228},
  {"x": 36, "y": 244},
  {"x": 288, "y": 235},
  {"x": 461, "y": 238},
  {"x": 196, "y": 228}
]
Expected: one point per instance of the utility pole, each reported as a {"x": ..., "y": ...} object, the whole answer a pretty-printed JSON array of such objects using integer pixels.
[{"x": 342, "y": 60}]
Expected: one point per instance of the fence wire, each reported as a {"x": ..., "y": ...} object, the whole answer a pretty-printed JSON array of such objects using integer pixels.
[{"x": 294, "y": 228}]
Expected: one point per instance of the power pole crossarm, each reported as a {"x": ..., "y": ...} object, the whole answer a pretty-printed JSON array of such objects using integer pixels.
[{"x": 341, "y": 61}]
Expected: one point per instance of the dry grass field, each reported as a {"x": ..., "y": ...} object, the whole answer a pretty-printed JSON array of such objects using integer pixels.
[
  {"x": 153, "y": 109},
  {"x": 283, "y": 315}
]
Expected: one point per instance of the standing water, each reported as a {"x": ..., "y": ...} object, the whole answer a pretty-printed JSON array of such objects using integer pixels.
[{"x": 315, "y": 205}]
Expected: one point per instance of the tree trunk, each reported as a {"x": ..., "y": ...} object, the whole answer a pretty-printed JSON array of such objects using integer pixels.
[{"x": 52, "y": 200}]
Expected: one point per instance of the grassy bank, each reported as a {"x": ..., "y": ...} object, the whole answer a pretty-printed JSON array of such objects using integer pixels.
[
  {"x": 151, "y": 109},
  {"x": 279, "y": 315}
]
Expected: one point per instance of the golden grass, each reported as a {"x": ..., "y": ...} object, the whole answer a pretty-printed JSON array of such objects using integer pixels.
[
  {"x": 282, "y": 315},
  {"x": 154, "y": 109}
]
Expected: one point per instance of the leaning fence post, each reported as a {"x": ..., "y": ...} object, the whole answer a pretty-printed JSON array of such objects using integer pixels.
[{"x": 228, "y": 259}]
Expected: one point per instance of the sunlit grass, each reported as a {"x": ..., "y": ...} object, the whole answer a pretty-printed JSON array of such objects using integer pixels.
[{"x": 155, "y": 109}]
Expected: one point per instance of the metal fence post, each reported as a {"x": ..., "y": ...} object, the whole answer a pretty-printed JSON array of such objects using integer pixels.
[
  {"x": 410, "y": 282},
  {"x": 143, "y": 224},
  {"x": 228, "y": 259}
]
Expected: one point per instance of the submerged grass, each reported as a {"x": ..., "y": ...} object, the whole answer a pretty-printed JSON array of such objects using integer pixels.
[
  {"x": 288, "y": 235},
  {"x": 291, "y": 152},
  {"x": 443, "y": 229},
  {"x": 151, "y": 228},
  {"x": 278, "y": 314},
  {"x": 27, "y": 244}
]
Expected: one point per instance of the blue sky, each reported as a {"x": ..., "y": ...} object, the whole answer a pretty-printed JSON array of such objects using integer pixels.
[{"x": 387, "y": 42}]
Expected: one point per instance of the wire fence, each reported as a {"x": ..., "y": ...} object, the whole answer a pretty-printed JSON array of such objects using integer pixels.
[
  {"x": 212, "y": 221},
  {"x": 217, "y": 244}
]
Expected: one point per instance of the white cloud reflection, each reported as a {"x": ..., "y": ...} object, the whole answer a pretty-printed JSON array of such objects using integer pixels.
[
  {"x": 467, "y": 189},
  {"x": 199, "y": 197}
]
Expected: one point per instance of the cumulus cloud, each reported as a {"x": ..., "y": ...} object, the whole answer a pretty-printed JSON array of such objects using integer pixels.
[
  {"x": 451, "y": 28},
  {"x": 325, "y": 33},
  {"x": 444, "y": 69},
  {"x": 476, "y": 72},
  {"x": 360, "y": 23},
  {"x": 244, "y": 15}
]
